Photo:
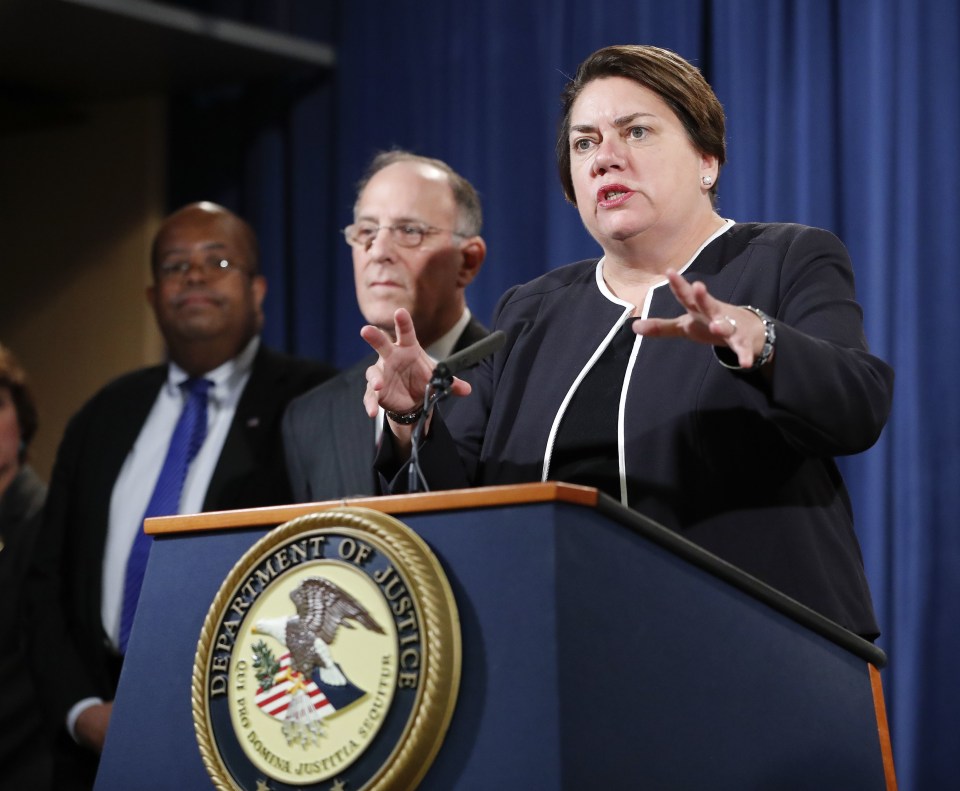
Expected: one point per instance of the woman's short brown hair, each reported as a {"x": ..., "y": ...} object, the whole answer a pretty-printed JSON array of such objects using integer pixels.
[
  {"x": 678, "y": 82},
  {"x": 13, "y": 377}
]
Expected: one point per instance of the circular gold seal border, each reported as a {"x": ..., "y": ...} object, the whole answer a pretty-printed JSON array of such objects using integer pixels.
[{"x": 441, "y": 646}]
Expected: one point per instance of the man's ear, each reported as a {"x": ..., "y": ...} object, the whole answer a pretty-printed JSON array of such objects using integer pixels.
[
  {"x": 151, "y": 292},
  {"x": 258, "y": 287},
  {"x": 474, "y": 250}
]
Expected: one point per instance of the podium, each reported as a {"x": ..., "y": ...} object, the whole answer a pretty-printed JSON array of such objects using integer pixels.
[{"x": 600, "y": 650}]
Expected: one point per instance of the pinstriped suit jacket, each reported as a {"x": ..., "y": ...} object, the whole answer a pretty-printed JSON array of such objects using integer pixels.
[{"x": 328, "y": 437}]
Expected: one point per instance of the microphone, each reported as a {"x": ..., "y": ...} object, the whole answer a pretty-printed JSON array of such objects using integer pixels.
[
  {"x": 473, "y": 354},
  {"x": 439, "y": 387}
]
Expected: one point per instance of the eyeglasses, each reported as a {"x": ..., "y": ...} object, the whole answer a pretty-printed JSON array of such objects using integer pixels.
[
  {"x": 407, "y": 234},
  {"x": 212, "y": 268}
]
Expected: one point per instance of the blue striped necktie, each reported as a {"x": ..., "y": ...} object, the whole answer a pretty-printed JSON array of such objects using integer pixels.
[{"x": 188, "y": 436}]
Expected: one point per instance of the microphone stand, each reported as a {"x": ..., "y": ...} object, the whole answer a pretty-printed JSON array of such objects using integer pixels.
[{"x": 437, "y": 388}]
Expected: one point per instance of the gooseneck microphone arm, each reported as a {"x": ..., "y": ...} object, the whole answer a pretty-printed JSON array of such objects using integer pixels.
[{"x": 439, "y": 386}]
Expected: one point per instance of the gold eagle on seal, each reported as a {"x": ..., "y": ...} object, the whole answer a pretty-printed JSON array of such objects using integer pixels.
[{"x": 322, "y": 608}]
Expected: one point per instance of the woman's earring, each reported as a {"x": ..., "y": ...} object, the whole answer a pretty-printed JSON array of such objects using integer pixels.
[{"x": 707, "y": 180}]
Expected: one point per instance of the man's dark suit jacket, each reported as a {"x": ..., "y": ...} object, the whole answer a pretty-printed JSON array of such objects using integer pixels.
[
  {"x": 70, "y": 648},
  {"x": 329, "y": 438}
]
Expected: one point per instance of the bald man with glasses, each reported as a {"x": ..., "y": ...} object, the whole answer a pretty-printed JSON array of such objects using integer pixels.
[
  {"x": 207, "y": 296},
  {"x": 416, "y": 245}
]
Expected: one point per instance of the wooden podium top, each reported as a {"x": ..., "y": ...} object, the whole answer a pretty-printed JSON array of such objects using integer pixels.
[
  {"x": 522, "y": 494},
  {"x": 394, "y": 504}
]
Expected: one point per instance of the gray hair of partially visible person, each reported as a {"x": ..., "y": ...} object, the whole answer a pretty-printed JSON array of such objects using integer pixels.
[
  {"x": 678, "y": 82},
  {"x": 14, "y": 378},
  {"x": 464, "y": 195}
]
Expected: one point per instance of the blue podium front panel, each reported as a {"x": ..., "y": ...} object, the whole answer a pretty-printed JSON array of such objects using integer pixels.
[{"x": 592, "y": 658}]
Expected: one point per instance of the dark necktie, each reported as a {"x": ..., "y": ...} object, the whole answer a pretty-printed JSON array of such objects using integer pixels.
[{"x": 188, "y": 436}]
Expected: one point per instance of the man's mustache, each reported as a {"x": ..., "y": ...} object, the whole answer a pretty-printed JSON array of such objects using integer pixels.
[{"x": 195, "y": 292}]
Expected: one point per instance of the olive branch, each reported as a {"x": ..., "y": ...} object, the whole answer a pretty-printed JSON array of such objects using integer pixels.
[{"x": 265, "y": 665}]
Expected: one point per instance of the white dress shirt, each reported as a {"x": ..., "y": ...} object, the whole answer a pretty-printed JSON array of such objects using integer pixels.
[{"x": 138, "y": 476}]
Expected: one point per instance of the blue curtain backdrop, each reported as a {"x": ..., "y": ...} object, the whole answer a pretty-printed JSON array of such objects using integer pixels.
[{"x": 842, "y": 114}]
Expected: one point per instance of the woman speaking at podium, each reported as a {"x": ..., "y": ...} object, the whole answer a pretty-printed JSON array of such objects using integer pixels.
[{"x": 702, "y": 371}]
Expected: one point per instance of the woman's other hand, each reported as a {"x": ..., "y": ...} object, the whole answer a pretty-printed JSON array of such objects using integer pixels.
[
  {"x": 399, "y": 378},
  {"x": 708, "y": 320}
]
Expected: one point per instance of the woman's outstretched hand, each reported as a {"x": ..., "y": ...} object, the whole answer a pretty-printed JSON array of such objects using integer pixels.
[
  {"x": 708, "y": 320},
  {"x": 398, "y": 379}
]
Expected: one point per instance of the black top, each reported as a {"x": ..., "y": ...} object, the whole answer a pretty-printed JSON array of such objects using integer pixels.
[{"x": 585, "y": 450}]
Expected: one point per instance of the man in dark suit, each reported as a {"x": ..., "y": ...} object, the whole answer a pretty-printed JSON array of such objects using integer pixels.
[
  {"x": 207, "y": 294},
  {"x": 416, "y": 245}
]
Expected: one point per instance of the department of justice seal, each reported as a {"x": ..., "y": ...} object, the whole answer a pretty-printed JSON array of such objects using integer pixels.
[{"x": 329, "y": 659}]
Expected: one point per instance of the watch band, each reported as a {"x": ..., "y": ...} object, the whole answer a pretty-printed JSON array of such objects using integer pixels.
[
  {"x": 404, "y": 418},
  {"x": 769, "y": 337},
  {"x": 769, "y": 342}
]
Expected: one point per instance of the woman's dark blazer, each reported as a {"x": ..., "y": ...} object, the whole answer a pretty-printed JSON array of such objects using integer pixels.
[{"x": 738, "y": 464}]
